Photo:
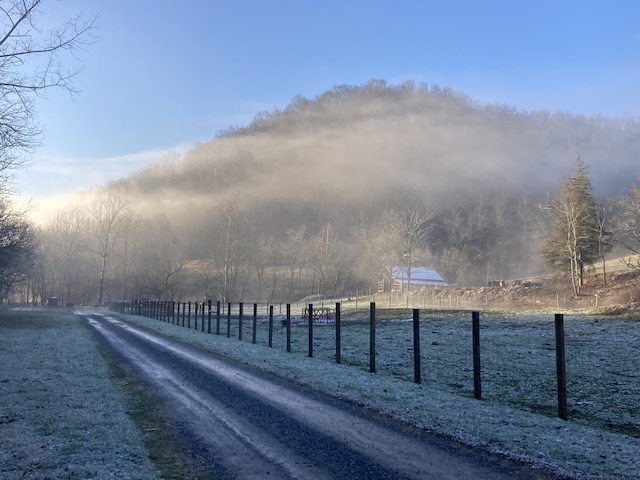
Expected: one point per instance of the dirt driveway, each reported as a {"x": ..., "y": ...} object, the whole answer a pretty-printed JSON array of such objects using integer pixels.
[{"x": 249, "y": 426}]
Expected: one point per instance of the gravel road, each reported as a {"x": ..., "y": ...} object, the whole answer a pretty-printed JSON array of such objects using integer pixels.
[{"x": 247, "y": 425}]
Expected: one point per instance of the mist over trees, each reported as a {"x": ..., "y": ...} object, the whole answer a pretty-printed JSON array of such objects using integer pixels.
[{"x": 321, "y": 196}]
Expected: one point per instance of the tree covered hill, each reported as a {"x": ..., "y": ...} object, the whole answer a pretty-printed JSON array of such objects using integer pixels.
[
  {"x": 377, "y": 138},
  {"x": 478, "y": 174}
]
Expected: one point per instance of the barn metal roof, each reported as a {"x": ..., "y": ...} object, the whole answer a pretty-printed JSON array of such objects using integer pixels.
[{"x": 419, "y": 275}]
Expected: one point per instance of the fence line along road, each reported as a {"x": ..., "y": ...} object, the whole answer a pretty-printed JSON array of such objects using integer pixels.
[{"x": 186, "y": 314}]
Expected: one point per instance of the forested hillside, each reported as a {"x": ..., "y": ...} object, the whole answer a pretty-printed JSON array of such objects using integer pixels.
[{"x": 320, "y": 196}]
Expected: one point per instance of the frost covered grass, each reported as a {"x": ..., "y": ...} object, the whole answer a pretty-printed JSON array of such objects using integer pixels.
[
  {"x": 517, "y": 415},
  {"x": 60, "y": 415}
]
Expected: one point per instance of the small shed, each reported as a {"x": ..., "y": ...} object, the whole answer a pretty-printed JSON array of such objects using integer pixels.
[{"x": 420, "y": 277}]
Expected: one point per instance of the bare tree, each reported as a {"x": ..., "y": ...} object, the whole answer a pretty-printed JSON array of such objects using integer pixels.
[
  {"x": 401, "y": 238},
  {"x": 107, "y": 213},
  {"x": 261, "y": 254},
  {"x": 605, "y": 236},
  {"x": 67, "y": 236},
  {"x": 18, "y": 244},
  {"x": 330, "y": 260},
  {"x": 293, "y": 253},
  {"x": 628, "y": 225},
  {"x": 131, "y": 235},
  {"x": 455, "y": 247},
  {"x": 228, "y": 245},
  {"x": 160, "y": 261},
  {"x": 31, "y": 61}
]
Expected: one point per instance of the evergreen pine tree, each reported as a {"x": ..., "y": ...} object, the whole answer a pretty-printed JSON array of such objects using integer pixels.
[{"x": 574, "y": 241}]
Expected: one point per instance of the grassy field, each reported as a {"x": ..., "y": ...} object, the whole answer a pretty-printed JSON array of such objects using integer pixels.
[
  {"x": 518, "y": 361},
  {"x": 61, "y": 415}
]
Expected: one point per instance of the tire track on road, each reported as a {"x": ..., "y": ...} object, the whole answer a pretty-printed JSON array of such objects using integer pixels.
[{"x": 256, "y": 427}]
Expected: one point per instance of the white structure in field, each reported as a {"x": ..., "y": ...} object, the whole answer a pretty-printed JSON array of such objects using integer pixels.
[{"x": 417, "y": 278}]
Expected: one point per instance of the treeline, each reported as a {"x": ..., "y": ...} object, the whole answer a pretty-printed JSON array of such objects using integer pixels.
[
  {"x": 106, "y": 250},
  {"x": 321, "y": 196}
]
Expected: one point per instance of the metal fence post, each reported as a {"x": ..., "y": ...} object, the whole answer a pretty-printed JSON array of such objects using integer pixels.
[
  {"x": 417, "y": 376},
  {"x": 561, "y": 367},
  {"x": 338, "y": 333},
  {"x": 372, "y": 337},
  {"x": 477, "y": 379},
  {"x": 310, "y": 313}
]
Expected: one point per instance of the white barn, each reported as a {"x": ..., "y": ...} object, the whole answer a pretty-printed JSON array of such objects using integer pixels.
[{"x": 420, "y": 277}]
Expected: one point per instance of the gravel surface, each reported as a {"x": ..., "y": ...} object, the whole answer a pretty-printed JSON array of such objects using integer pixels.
[{"x": 246, "y": 425}]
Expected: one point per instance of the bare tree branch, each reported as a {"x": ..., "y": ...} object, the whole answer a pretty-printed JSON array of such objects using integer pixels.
[{"x": 32, "y": 62}]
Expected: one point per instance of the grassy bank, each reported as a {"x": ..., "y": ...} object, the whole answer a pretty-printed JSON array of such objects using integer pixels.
[{"x": 61, "y": 416}]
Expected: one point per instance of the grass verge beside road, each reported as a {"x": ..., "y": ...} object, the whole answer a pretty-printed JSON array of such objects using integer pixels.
[{"x": 61, "y": 416}]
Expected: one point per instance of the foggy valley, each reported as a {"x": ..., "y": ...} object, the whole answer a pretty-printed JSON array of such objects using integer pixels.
[
  {"x": 313, "y": 198},
  {"x": 159, "y": 177}
]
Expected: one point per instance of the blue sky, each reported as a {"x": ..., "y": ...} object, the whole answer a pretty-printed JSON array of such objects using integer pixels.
[{"x": 164, "y": 74}]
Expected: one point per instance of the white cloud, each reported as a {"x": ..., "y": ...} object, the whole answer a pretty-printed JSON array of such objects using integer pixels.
[
  {"x": 49, "y": 175},
  {"x": 52, "y": 181}
]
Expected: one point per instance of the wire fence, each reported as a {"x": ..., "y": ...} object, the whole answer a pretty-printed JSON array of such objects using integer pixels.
[{"x": 584, "y": 368}]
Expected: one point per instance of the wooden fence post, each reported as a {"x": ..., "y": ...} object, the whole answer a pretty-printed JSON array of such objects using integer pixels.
[
  {"x": 229, "y": 319},
  {"x": 240, "y": 313},
  {"x": 338, "y": 333},
  {"x": 477, "y": 379},
  {"x": 561, "y": 367},
  {"x": 372, "y": 337},
  {"x": 417, "y": 377},
  {"x": 202, "y": 318},
  {"x": 209, "y": 317},
  {"x": 310, "y": 313}
]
